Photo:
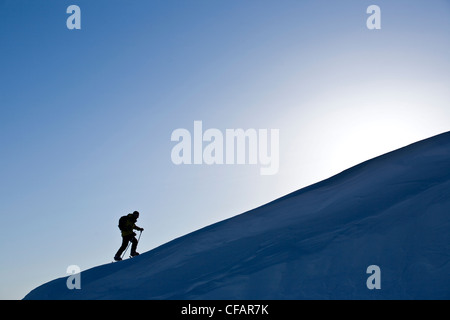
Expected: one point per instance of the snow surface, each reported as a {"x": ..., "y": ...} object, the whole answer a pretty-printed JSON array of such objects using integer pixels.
[{"x": 316, "y": 243}]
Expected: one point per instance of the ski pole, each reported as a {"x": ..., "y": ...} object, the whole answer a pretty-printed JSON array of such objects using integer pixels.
[
  {"x": 123, "y": 254},
  {"x": 139, "y": 236}
]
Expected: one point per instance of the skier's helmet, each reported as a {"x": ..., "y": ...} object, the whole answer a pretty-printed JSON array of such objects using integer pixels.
[{"x": 136, "y": 214}]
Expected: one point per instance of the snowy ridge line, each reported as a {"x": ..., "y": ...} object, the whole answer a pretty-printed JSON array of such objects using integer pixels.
[{"x": 391, "y": 212}]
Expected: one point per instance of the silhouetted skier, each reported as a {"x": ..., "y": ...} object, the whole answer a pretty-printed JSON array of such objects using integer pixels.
[{"x": 127, "y": 224}]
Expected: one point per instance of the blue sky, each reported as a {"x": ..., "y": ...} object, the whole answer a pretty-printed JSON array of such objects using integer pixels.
[{"x": 86, "y": 115}]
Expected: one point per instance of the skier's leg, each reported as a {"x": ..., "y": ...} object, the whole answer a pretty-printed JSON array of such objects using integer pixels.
[
  {"x": 134, "y": 244},
  {"x": 122, "y": 248}
]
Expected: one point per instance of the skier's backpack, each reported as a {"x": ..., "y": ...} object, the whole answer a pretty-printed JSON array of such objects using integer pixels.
[{"x": 122, "y": 222}]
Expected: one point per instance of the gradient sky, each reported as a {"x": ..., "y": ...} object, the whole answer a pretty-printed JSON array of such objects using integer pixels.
[{"x": 86, "y": 115}]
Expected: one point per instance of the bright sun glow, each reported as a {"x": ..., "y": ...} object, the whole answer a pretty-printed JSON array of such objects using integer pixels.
[{"x": 368, "y": 140}]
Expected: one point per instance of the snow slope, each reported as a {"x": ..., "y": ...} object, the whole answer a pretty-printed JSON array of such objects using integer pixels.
[{"x": 316, "y": 243}]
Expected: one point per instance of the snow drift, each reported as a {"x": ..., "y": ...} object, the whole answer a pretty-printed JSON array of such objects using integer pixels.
[{"x": 316, "y": 243}]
